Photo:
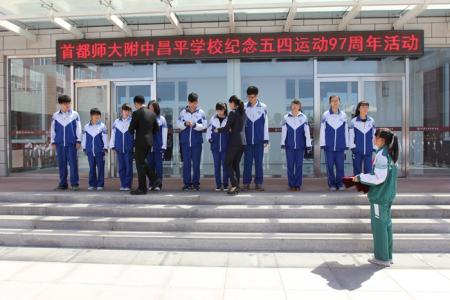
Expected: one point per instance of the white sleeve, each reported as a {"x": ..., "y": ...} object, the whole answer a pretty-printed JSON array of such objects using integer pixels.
[
  {"x": 112, "y": 140},
  {"x": 308, "y": 135},
  {"x": 203, "y": 125},
  {"x": 351, "y": 135},
  {"x": 266, "y": 127},
  {"x": 105, "y": 137},
  {"x": 346, "y": 132},
  {"x": 83, "y": 141},
  {"x": 380, "y": 170},
  {"x": 180, "y": 121},
  {"x": 52, "y": 131},
  {"x": 209, "y": 130},
  {"x": 373, "y": 139},
  {"x": 322, "y": 133},
  {"x": 283, "y": 132},
  {"x": 79, "y": 132},
  {"x": 164, "y": 133}
]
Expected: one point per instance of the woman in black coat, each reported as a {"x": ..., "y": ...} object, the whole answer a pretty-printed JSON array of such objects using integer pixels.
[{"x": 236, "y": 142}]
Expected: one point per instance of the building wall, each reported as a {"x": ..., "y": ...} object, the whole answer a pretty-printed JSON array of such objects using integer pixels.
[{"x": 436, "y": 29}]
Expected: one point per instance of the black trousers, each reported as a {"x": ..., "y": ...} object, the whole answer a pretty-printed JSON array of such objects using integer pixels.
[
  {"x": 232, "y": 162},
  {"x": 143, "y": 169}
]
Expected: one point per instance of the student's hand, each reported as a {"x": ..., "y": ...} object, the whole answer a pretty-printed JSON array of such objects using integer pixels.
[
  {"x": 216, "y": 130},
  {"x": 54, "y": 146},
  {"x": 105, "y": 150},
  {"x": 355, "y": 179},
  {"x": 187, "y": 123},
  {"x": 78, "y": 146},
  {"x": 283, "y": 147}
]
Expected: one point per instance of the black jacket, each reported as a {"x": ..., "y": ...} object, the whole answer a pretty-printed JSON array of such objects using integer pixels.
[
  {"x": 235, "y": 126},
  {"x": 144, "y": 124}
]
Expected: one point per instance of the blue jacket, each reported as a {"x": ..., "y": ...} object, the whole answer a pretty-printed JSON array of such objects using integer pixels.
[
  {"x": 192, "y": 135},
  {"x": 361, "y": 135},
  {"x": 334, "y": 131},
  {"x": 219, "y": 141},
  {"x": 160, "y": 138},
  {"x": 65, "y": 128},
  {"x": 256, "y": 125},
  {"x": 121, "y": 140},
  {"x": 295, "y": 132},
  {"x": 94, "y": 138}
]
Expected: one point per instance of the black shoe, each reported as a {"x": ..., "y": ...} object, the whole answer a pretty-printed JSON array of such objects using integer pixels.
[
  {"x": 186, "y": 188},
  {"x": 75, "y": 188},
  {"x": 60, "y": 188},
  {"x": 233, "y": 191},
  {"x": 196, "y": 187},
  {"x": 138, "y": 192},
  {"x": 259, "y": 188}
]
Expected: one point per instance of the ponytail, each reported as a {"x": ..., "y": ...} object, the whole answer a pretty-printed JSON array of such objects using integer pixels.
[
  {"x": 239, "y": 104},
  {"x": 391, "y": 142}
]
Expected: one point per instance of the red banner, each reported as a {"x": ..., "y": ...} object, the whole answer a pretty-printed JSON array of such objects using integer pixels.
[{"x": 270, "y": 45}]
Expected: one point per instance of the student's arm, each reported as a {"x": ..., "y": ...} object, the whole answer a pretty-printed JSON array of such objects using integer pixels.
[
  {"x": 78, "y": 130},
  {"x": 209, "y": 130},
  {"x": 351, "y": 135},
  {"x": 230, "y": 120},
  {"x": 283, "y": 133},
  {"x": 164, "y": 132},
  {"x": 380, "y": 171},
  {"x": 52, "y": 131},
  {"x": 201, "y": 123},
  {"x": 346, "y": 132},
  {"x": 112, "y": 140},
  {"x": 322, "y": 133},
  {"x": 374, "y": 129},
  {"x": 180, "y": 122},
  {"x": 83, "y": 141},
  {"x": 266, "y": 128},
  {"x": 307, "y": 135},
  {"x": 105, "y": 138}
]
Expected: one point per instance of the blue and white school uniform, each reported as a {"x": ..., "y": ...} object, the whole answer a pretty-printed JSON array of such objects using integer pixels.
[
  {"x": 65, "y": 133},
  {"x": 155, "y": 158},
  {"x": 191, "y": 140},
  {"x": 94, "y": 145},
  {"x": 123, "y": 143},
  {"x": 219, "y": 145},
  {"x": 295, "y": 138},
  {"x": 361, "y": 134},
  {"x": 334, "y": 140},
  {"x": 256, "y": 134}
]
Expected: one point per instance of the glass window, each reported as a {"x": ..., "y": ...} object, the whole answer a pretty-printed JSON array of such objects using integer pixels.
[
  {"x": 429, "y": 131},
  {"x": 35, "y": 84},
  {"x": 278, "y": 83},
  {"x": 387, "y": 65},
  {"x": 113, "y": 71}
]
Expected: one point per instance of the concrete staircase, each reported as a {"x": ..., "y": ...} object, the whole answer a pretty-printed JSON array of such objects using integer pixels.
[{"x": 331, "y": 222}]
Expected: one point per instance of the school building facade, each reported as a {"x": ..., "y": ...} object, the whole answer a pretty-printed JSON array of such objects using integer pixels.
[{"x": 396, "y": 57}]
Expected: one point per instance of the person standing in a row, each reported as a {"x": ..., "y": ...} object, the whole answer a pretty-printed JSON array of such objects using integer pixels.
[{"x": 236, "y": 143}]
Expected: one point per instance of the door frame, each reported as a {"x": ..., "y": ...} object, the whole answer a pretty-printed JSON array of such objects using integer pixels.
[{"x": 360, "y": 79}]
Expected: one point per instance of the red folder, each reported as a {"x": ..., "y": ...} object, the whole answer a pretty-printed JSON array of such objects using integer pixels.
[{"x": 360, "y": 187}]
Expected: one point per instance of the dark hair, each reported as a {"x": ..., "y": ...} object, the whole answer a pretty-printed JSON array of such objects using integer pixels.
[
  {"x": 193, "y": 97},
  {"x": 95, "y": 111},
  {"x": 360, "y": 103},
  {"x": 332, "y": 96},
  {"x": 297, "y": 102},
  {"x": 155, "y": 106},
  {"x": 125, "y": 106},
  {"x": 222, "y": 106},
  {"x": 64, "y": 99},
  {"x": 239, "y": 104},
  {"x": 139, "y": 99},
  {"x": 390, "y": 140},
  {"x": 252, "y": 90}
]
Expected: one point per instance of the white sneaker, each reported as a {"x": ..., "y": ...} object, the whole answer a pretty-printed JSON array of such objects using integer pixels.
[
  {"x": 100, "y": 188},
  {"x": 332, "y": 189},
  {"x": 157, "y": 189},
  {"x": 341, "y": 188},
  {"x": 378, "y": 262},
  {"x": 91, "y": 188},
  {"x": 126, "y": 189},
  {"x": 122, "y": 189},
  {"x": 150, "y": 188}
]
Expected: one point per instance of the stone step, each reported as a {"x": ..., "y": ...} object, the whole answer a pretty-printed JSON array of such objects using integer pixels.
[
  {"x": 207, "y": 198},
  {"x": 219, "y": 241},
  {"x": 218, "y": 211},
  {"x": 261, "y": 225}
]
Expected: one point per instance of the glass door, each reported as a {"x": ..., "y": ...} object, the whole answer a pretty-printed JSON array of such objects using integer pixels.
[{"x": 90, "y": 94}]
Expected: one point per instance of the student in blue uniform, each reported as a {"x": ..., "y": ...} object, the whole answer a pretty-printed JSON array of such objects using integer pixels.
[
  {"x": 156, "y": 156},
  {"x": 219, "y": 145},
  {"x": 122, "y": 142},
  {"x": 65, "y": 138},
  {"x": 334, "y": 141},
  {"x": 361, "y": 137},
  {"x": 94, "y": 145},
  {"x": 295, "y": 139},
  {"x": 257, "y": 137},
  {"x": 191, "y": 122}
]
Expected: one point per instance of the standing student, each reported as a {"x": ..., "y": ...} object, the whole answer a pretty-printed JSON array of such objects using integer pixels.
[
  {"x": 156, "y": 156},
  {"x": 191, "y": 122},
  {"x": 219, "y": 144},
  {"x": 145, "y": 126},
  {"x": 122, "y": 142},
  {"x": 257, "y": 137},
  {"x": 383, "y": 189},
  {"x": 65, "y": 133},
  {"x": 236, "y": 142},
  {"x": 94, "y": 145},
  {"x": 334, "y": 141},
  {"x": 295, "y": 138},
  {"x": 361, "y": 137}
]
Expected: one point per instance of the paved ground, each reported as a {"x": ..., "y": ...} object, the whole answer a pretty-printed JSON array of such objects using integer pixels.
[
  {"x": 46, "y": 182},
  {"x": 43, "y": 273}
]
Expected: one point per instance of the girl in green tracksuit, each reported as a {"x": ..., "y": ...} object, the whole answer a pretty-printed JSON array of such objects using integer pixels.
[{"x": 383, "y": 188}]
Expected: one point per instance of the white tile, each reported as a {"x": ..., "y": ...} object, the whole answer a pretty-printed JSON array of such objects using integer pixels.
[
  {"x": 431, "y": 295},
  {"x": 365, "y": 278},
  {"x": 43, "y": 272},
  {"x": 198, "y": 277},
  {"x": 253, "y": 278},
  {"x": 316, "y": 295},
  {"x": 308, "y": 279},
  {"x": 94, "y": 274},
  {"x": 376, "y": 295},
  {"x": 254, "y": 294},
  {"x": 9, "y": 268},
  {"x": 70, "y": 292},
  {"x": 134, "y": 293},
  {"x": 192, "y": 294},
  {"x": 20, "y": 290},
  {"x": 420, "y": 280},
  {"x": 154, "y": 276}
]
